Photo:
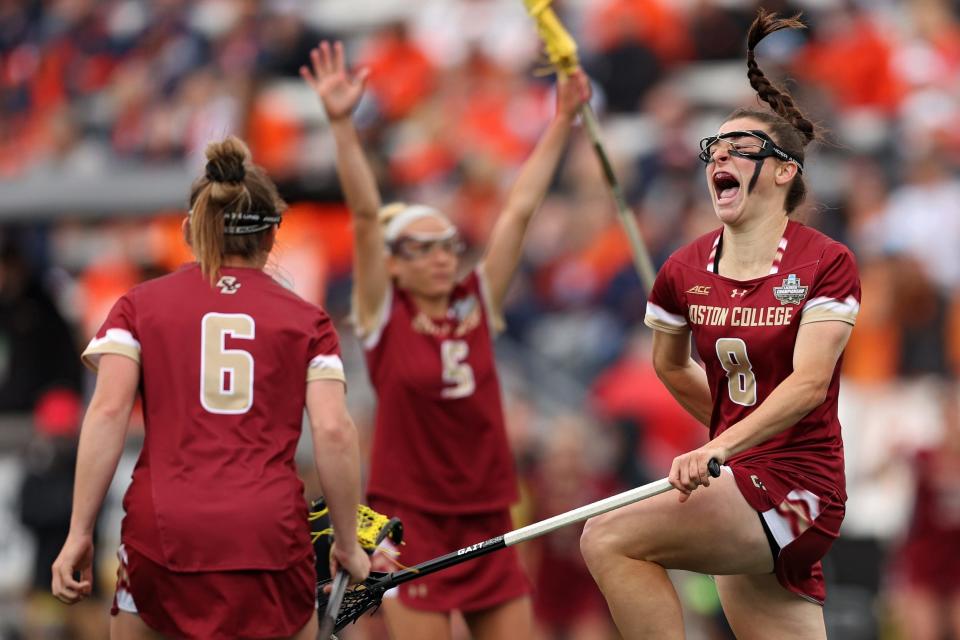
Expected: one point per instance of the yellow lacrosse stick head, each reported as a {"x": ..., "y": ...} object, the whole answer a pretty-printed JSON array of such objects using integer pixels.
[{"x": 559, "y": 44}]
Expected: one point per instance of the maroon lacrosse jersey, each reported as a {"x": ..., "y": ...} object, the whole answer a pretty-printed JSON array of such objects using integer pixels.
[
  {"x": 745, "y": 332},
  {"x": 224, "y": 371},
  {"x": 440, "y": 444}
]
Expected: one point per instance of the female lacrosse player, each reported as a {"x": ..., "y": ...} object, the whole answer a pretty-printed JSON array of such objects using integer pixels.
[
  {"x": 770, "y": 304},
  {"x": 440, "y": 457},
  {"x": 215, "y": 541}
]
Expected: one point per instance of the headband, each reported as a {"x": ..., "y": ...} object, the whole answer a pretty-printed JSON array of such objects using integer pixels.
[
  {"x": 239, "y": 223},
  {"x": 408, "y": 215}
]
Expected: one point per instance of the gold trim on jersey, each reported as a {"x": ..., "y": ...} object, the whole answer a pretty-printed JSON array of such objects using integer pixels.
[
  {"x": 320, "y": 374},
  {"x": 823, "y": 309},
  {"x": 115, "y": 341},
  {"x": 660, "y": 319},
  {"x": 326, "y": 367}
]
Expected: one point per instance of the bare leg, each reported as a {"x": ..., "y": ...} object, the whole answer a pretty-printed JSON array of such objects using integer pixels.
[
  {"x": 309, "y": 630},
  {"x": 405, "y": 623},
  {"x": 917, "y": 613},
  {"x": 130, "y": 626},
  {"x": 627, "y": 551},
  {"x": 758, "y": 607},
  {"x": 512, "y": 619},
  {"x": 953, "y": 611}
]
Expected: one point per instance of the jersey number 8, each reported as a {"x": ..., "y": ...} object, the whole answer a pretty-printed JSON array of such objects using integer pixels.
[
  {"x": 741, "y": 381},
  {"x": 226, "y": 375}
]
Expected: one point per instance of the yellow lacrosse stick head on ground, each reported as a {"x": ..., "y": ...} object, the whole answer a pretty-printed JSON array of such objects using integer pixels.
[{"x": 559, "y": 44}]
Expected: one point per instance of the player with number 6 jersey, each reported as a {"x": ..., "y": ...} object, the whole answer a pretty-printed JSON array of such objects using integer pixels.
[
  {"x": 440, "y": 460},
  {"x": 215, "y": 543}
]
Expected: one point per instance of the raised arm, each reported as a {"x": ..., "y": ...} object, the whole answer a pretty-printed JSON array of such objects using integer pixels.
[
  {"x": 506, "y": 241},
  {"x": 339, "y": 92},
  {"x": 101, "y": 443}
]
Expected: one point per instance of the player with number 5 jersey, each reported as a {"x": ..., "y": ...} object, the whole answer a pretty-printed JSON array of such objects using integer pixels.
[
  {"x": 440, "y": 459},
  {"x": 215, "y": 540}
]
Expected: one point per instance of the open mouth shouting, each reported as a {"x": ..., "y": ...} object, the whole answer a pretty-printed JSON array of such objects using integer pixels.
[{"x": 726, "y": 187}]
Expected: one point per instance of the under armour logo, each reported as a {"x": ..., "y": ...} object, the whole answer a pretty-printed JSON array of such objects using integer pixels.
[
  {"x": 738, "y": 292},
  {"x": 228, "y": 284}
]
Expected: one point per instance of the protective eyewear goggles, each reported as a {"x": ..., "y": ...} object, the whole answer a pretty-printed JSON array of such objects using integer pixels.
[
  {"x": 417, "y": 245},
  {"x": 753, "y": 144}
]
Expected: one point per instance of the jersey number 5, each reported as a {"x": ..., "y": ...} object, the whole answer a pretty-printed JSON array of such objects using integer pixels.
[
  {"x": 741, "y": 382},
  {"x": 456, "y": 371},
  {"x": 226, "y": 375}
]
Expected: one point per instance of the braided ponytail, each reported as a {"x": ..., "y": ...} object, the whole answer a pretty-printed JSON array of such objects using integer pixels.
[
  {"x": 788, "y": 126},
  {"x": 231, "y": 183},
  {"x": 778, "y": 99}
]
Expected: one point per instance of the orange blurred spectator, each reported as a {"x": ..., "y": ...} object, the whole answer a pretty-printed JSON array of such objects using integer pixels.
[
  {"x": 401, "y": 75},
  {"x": 101, "y": 284},
  {"x": 314, "y": 244},
  {"x": 873, "y": 352},
  {"x": 275, "y": 134},
  {"x": 481, "y": 113},
  {"x": 654, "y": 23},
  {"x": 851, "y": 60}
]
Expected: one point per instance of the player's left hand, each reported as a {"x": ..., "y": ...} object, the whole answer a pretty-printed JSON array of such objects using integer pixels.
[
  {"x": 689, "y": 470},
  {"x": 572, "y": 91}
]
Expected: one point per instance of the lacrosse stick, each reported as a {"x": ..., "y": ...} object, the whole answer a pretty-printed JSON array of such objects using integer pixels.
[
  {"x": 372, "y": 529},
  {"x": 368, "y": 594},
  {"x": 562, "y": 53}
]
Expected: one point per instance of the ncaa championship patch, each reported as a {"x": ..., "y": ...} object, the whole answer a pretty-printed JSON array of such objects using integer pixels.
[{"x": 791, "y": 291}]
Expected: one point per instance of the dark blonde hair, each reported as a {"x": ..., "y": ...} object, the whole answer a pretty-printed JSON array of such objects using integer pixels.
[
  {"x": 231, "y": 184},
  {"x": 791, "y": 130}
]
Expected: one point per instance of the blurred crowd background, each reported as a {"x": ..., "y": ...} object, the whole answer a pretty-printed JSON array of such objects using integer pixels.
[{"x": 105, "y": 108}]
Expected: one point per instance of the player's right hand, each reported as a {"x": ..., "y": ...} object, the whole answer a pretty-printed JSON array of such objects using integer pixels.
[
  {"x": 354, "y": 559},
  {"x": 75, "y": 557},
  {"x": 338, "y": 90}
]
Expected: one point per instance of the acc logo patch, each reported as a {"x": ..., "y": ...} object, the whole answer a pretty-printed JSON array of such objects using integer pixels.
[
  {"x": 699, "y": 290},
  {"x": 791, "y": 291},
  {"x": 228, "y": 284}
]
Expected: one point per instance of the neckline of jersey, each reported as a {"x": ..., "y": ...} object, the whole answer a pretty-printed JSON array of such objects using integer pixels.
[{"x": 787, "y": 233}]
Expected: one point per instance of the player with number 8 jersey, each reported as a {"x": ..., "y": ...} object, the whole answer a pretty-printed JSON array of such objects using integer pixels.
[
  {"x": 745, "y": 333},
  {"x": 770, "y": 304},
  {"x": 215, "y": 541}
]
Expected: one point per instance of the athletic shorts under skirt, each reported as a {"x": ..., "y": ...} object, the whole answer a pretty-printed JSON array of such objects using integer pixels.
[
  {"x": 803, "y": 524},
  {"x": 215, "y": 605}
]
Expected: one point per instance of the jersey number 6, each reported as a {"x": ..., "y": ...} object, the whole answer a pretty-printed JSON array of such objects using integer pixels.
[
  {"x": 741, "y": 382},
  {"x": 226, "y": 375}
]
